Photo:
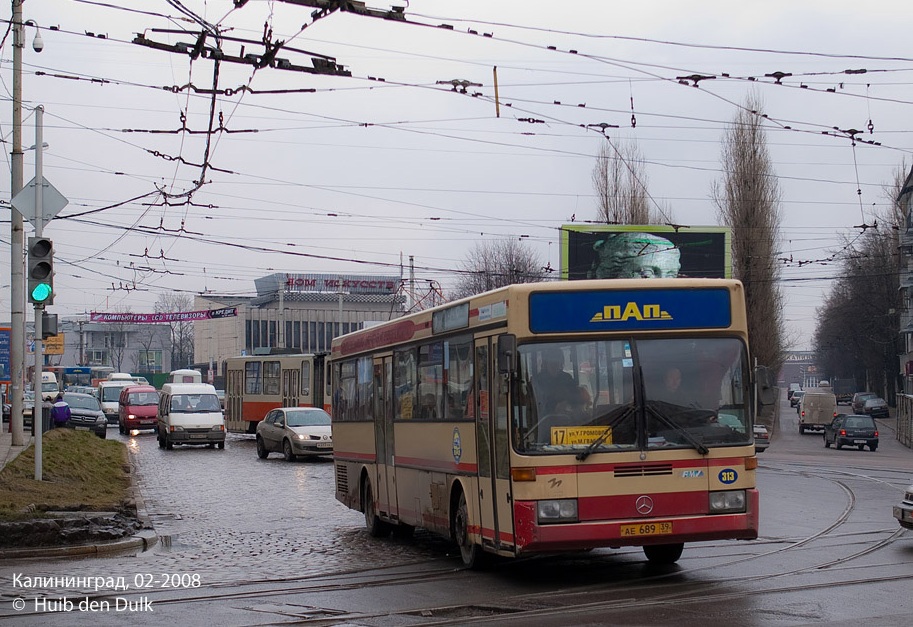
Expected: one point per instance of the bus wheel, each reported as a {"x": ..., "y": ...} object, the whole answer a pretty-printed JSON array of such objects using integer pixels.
[
  {"x": 663, "y": 553},
  {"x": 472, "y": 554},
  {"x": 376, "y": 527}
]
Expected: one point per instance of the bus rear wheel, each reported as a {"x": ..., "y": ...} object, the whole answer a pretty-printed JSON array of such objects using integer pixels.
[
  {"x": 375, "y": 526},
  {"x": 472, "y": 554},
  {"x": 663, "y": 553}
]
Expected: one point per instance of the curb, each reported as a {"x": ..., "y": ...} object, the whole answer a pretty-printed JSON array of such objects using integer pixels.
[{"x": 144, "y": 539}]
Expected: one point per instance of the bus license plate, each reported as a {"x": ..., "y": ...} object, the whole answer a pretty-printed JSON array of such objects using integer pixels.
[{"x": 647, "y": 529}]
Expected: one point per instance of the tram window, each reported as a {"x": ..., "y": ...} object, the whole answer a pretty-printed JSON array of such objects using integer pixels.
[
  {"x": 252, "y": 382},
  {"x": 272, "y": 375}
]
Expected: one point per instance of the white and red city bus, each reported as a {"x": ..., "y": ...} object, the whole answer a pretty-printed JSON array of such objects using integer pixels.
[
  {"x": 255, "y": 384},
  {"x": 448, "y": 419}
]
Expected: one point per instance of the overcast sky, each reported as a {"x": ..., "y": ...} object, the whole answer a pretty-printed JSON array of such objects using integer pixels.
[{"x": 337, "y": 174}]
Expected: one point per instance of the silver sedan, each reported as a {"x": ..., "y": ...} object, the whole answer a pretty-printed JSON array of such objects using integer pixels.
[{"x": 295, "y": 431}]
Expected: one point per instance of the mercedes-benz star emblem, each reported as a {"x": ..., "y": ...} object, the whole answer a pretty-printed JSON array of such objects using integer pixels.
[{"x": 644, "y": 505}]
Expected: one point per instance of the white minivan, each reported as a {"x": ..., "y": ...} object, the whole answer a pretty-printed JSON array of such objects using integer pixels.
[{"x": 190, "y": 413}]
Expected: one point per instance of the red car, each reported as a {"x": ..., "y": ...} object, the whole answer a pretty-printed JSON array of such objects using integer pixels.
[{"x": 137, "y": 408}]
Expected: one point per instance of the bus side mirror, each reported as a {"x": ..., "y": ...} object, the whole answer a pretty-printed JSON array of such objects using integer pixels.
[
  {"x": 767, "y": 393},
  {"x": 507, "y": 350}
]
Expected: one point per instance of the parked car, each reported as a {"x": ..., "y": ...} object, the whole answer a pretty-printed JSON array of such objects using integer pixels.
[
  {"x": 859, "y": 399},
  {"x": 761, "y": 438},
  {"x": 851, "y": 430},
  {"x": 796, "y": 397},
  {"x": 904, "y": 512},
  {"x": 86, "y": 413},
  {"x": 295, "y": 431},
  {"x": 876, "y": 407}
]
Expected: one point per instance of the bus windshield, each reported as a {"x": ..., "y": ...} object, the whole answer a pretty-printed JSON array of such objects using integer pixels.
[{"x": 629, "y": 394}]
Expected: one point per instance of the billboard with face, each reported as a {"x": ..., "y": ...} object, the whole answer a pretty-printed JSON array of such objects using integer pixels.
[{"x": 611, "y": 251}]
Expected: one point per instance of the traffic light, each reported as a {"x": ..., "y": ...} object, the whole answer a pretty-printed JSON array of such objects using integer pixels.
[{"x": 41, "y": 271}]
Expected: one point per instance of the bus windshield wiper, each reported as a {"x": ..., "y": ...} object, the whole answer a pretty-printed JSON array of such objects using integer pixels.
[
  {"x": 703, "y": 450},
  {"x": 628, "y": 410}
]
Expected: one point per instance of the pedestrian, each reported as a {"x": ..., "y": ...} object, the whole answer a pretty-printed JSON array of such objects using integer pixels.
[{"x": 60, "y": 412}]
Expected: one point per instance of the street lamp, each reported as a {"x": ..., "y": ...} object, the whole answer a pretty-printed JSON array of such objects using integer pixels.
[{"x": 17, "y": 239}]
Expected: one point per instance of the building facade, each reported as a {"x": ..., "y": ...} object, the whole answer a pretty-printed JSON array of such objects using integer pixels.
[
  {"x": 136, "y": 348},
  {"x": 299, "y": 313}
]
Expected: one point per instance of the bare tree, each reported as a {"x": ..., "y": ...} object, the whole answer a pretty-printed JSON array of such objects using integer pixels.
[
  {"x": 748, "y": 202},
  {"x": 181, "y": 332},
  {"x": 620, "y": 181},
  {"x": 498, "y": 263},
  {"x": 858, "y": 325},
  {"x": 146, "y": 339}
]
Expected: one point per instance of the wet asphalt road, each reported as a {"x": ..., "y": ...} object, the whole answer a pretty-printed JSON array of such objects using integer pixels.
[{"x": 264, "y": 542}]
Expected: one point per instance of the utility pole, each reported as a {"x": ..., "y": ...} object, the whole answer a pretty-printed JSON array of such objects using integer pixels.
[
  {"x": 38, "y": 416},
  {"x": 17, "y": 244}
]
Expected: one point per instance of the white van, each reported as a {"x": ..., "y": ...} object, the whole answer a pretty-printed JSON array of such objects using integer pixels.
[
  {"x": 49, "y": 386},
  {"x": 185, "y": 376},
  {"x": 190, "y": 413},
  {"x": 109, "y": 394}
]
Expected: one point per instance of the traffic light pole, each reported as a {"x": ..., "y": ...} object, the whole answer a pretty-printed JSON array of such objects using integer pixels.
[{"x": 38, "y": 408}]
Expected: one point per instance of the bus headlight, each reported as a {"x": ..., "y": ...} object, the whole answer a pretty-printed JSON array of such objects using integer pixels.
[
  {"x": 556, "y": 511},
  {"x": 727, "y": 502}
]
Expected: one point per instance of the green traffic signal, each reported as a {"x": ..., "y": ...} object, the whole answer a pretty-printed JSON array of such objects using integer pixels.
[
  {"x": 40, "y": 272},
  {"x": 41, "y": 292}
]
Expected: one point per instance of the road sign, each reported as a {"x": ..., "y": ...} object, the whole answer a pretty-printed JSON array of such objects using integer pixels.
[{"x": 52, "y": 202}]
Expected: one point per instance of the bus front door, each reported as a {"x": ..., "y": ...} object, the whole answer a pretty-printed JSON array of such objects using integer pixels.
[
  {"x": 491, "y": 411},
  {"x": 385, "y": 480}
]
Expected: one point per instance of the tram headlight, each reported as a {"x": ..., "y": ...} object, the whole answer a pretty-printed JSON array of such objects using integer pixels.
[
  {"x": 727, "y": 502},
  {"x": 557, "y": 511}
]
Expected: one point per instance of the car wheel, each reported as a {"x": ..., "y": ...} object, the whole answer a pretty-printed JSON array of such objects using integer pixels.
[
  {"x": 837, "y": 444},
  {"x": 287, "y": 451},
  {"x": 471, "y": 553},
  {"x": 874, "y": 447},
  {"x": 161, "y": 441},
  {"x": 169, "y": 445},
  {"x": 221, "y": 446},
  {"x": 802, "y": 429},
  {"x": 826, "y": 443},
  {"x": 375, "y": 526},
  {"x": 663, "y": 553},
  {"x": 120, "y": 429},
  {"x": 262, "y": 453}
]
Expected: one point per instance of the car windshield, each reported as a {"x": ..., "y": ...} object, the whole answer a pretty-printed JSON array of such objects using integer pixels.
[
  {"x": 628, "y": 394},
  {"x": 111, "y": 393},
  {"x": 307, "y": 418},
  {"x": 195, "y": 403},
  {"x": 859, "y": 422},
  {"x": 81, "y": 402},
  {"x": 143, "y": 399}
]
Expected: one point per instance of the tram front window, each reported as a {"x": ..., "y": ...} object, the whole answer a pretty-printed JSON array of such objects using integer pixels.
[{"x": 625, "y": 394}]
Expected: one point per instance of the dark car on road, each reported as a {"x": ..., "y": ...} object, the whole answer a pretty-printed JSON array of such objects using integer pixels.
[
  {"x": 875, "y": 407},
  {"x": 851, "y": 430},
  {"x": 86, "y": 414},
  {"x": 859, "y": 399}
]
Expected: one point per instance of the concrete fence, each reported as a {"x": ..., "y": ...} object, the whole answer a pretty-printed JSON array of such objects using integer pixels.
[{"x": 905, "y": 419}]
